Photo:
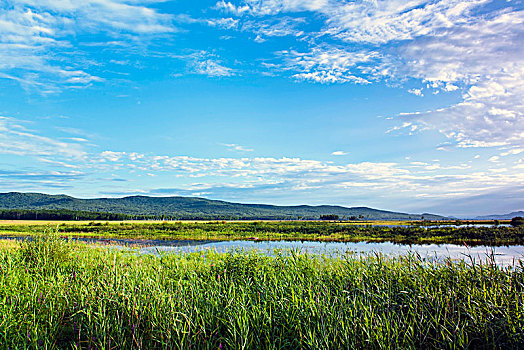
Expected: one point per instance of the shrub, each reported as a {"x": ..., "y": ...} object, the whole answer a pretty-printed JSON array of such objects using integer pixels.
[{"x": 517, "y": 221}]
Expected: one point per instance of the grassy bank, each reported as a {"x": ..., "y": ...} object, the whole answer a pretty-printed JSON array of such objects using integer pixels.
[
  {"x": 282, "y": 230},
  {"x": 59, "y": 295}
]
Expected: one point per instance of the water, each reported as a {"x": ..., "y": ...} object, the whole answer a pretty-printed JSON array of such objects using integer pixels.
[
  {"x": 465, "y": 225},
  {"x": 503, "y": 255},
  {"x": 437, "y": 226}
]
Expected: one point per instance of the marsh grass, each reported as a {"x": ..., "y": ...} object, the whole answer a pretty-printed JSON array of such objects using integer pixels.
[
  {"x": 45, "y": 251},
  {"x": 57, "y": 294},
  {"x": 283, "y": 230}
]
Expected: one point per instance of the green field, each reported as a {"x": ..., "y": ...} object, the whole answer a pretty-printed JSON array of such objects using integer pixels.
[
  {"x": 62, "y": 295},
  {"x": 411, "y": 233}
]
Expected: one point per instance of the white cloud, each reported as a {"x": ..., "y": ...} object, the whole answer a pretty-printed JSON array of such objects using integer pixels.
[
  {"x": 35, "y": 38},
  {"x": 78, "y": 139},
  {"x": 206, "y": 63},
  {"x": 223, "y": 23},
  {"x": 375, "y": 22},
  {"x": 112, "y": 16},
  {"x": 327, "y": 65},
  {"x": 16, "y": 139},
  {"x": 262, "y": 175},
  {"x": 485, "y": 57},
  {"x": 233, "y": 9},
  {"x": 449, "y": 46},
  {"x": 235, "y": 147},
  {"x": 251, "y": 177},
  {"x": 212, "y": 68},
  {"x": 270, "y": 7},
  {"x": 466, "y": 47},
  {"x": 58, "y": 163},
  {"x": 339, "y": 153},
  {"x": 274, "y": 27},
  {"x": 417, "y": 92},
  {"x": 112, "y": 156},
  {"x": 383, "y": 21},
  {"x": 512, "y": 152}
]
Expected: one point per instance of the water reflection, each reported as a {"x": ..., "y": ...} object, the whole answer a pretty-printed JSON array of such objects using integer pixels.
[{"x": 503, "y": 255}]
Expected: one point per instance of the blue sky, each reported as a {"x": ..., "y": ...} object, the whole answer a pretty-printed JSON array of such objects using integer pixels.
[{"x": 402, "y": 105}]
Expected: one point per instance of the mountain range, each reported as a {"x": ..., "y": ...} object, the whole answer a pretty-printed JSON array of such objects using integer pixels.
[
  {"x": 193, "y": 208},
  {"x": 501, "y": 216}
]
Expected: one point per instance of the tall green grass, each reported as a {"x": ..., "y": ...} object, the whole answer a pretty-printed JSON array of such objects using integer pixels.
[
  {"x": 285, "y": 230},
  {"x": 62, "y": 295}
]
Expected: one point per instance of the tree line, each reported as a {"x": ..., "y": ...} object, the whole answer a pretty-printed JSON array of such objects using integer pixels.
[
  {"x": 58, "y": 214},
  {"x": 75, "y": 215}
]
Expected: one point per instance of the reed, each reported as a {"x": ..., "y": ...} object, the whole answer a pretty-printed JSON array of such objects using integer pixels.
[
  {"x": 68, "y": 295},
  {"x": 284, "y": 230}
]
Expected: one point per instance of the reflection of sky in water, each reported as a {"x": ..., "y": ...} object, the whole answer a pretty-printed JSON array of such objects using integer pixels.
[
  {"x": 504, "y": 255},
  {"x": 437, "y": 226}
]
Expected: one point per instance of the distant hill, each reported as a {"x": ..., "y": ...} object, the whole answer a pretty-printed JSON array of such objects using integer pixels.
[
  {"x": 501, "y": 216},
  {"x": 192, "y": 208}
]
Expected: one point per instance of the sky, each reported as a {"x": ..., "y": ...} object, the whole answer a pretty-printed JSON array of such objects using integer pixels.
[{"x": 404, "y": 105}]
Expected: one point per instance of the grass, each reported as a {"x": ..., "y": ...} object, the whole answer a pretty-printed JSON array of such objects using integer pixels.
[
  {"x": 282, "y": 230},
  {"x": 56, "y": 294}
]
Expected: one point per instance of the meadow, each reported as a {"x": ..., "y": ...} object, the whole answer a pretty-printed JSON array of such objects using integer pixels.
[
  {"x": 61, "y": 295},
  {"x": 397, "y": 232}
]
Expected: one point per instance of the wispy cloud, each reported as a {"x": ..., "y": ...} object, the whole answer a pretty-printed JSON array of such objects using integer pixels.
[
  {"x": 36, "y": 38},
  {"x": 383, "y": 21},
  {"x": 247, "y": 175},
  {"x": 274, "y": 27},
  {"x": 270, "y": 7},
  {"x": 327, "y": 64},
  {"x": 471, "y": 47},
  {"x": 205, "y": 63},
  {"x": 212, "y": 68},
  {"x": 40, "y": 176},
  {"x": 244, "y": 178},
  {"x": 485, "y": 58},
  {"x": 235, "y": 147},
  {"x": 112, "y": 16},
  {"x": 414, "y": 179},
  {"x": 16, "y": 139}
]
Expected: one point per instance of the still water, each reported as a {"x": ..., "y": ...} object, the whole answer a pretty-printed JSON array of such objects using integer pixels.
[{"x": 503, "y": 255}]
